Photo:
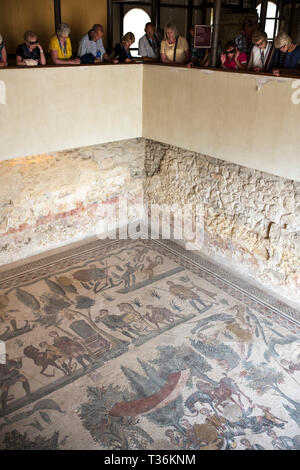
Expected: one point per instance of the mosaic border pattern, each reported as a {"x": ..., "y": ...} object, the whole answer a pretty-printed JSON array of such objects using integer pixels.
[{"x": 238, "y": 287}]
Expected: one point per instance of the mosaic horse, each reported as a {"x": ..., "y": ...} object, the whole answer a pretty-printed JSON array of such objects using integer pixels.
[{"x": 216, "y": 395}]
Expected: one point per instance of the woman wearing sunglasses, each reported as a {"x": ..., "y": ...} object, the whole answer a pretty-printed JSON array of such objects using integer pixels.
[
  {"x": 30, "y": 52},
  {"x": 232, "y": 58}
]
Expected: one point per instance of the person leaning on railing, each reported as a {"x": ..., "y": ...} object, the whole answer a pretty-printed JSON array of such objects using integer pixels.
[
  {"x": 30, "y": 52},
  {"x": 174, "y": 49},
  {"x": 91, "y": 49},
  {"x": 261, "y": 54},
  {"x": 3, "y": 53},
  {"x": 286, "y": 56},
  {"x": 60, "y": 47},
  {"x": 122, "y": 49},
  {"x": 232, "y": 58},
  {"x": 149, "y": 44}
]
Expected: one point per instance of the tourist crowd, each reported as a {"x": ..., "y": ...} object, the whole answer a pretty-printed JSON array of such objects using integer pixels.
[{"x": 250, "y": 50}]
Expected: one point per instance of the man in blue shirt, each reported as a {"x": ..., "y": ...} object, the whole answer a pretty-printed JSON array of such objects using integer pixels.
[
  {"x": 91, "y": 49},
  {"x": 149, "y": 44}
]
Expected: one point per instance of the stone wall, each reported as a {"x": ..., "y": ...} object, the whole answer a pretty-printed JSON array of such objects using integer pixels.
[
  {"x": 50, "y": 200},
  {"x": 251, "y": 218}
]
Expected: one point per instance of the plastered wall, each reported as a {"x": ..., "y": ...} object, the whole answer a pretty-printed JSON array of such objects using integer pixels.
[
  {"x": 245, "y": 119},
  {"x": 18, "y": 16},
  {"x": 82, "y": 15},
  {"x": 58, "y": 108}
]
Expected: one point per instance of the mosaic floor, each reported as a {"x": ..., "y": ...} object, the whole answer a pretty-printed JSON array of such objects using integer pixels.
[{"x": 137, "y": 344}]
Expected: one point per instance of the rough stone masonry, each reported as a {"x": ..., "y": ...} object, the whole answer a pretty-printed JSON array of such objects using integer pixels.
[{"x": 251, "y": 218}]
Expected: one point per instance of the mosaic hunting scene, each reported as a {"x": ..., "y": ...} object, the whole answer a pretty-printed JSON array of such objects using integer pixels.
[{"x": 135, "y": 344}]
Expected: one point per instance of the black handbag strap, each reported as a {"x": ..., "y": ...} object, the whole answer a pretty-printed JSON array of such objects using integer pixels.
[{"x": 174, "y": 56}]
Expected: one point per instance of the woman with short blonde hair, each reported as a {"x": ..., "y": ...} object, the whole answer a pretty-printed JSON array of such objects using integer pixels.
[
  {"x": 286, "y": 55},
  {"x": 171, "y": 27},
  {"x": 122, "y": 49},
  {"x": 30, "y": 52},
  {"x": 281, "y": 40},
  {"x": 174, "y": 49},
  {"x": 128, "y": 37}
]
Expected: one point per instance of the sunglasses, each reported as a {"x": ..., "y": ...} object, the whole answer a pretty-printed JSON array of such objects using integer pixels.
[
  {"x": 230, "y": 52},
  {"x": 32, "y": 42}
]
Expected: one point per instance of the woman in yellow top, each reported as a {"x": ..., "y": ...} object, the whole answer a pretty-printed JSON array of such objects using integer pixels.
[
  {"x": 174, "y": 49},
  {"x": 60, "y": 47}
]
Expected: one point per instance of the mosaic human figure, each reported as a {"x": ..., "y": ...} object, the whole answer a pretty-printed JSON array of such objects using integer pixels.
[
  {"x": 40, "y": 358},
  {"x": 201, "y": 436},
  {"x": 53, "y": 353},
  {"x": 284, "y": 442},
  {"x": 248, "y": 446},
  {"x": 257, "y": 424},
  {"x": 133, "y": 317},
  {"x": 185, "y": 293},
  {"x": 9, "y": 376},
  {"x": 148, "y": 270},
  {"x": 129, "y": 277}
]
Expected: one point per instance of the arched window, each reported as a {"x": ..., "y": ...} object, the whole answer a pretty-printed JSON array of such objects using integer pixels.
[
  {"x": 135, "y": 21},
  {"x": 271, "y": 19}
]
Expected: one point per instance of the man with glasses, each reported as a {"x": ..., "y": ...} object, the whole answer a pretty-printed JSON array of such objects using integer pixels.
[
  {"x": 232, "y": 58},
  {"x": 30, "y": 52},
  {"x": 149, "y": 45},
  {"x": 261, "y": 53}
]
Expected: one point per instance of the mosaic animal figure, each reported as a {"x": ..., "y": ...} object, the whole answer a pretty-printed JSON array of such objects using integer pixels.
[
  {"x": 224, "y": 391},
  {"x": 196, "y": 397},
  {"x": 161, "y": 315},
  {"x": 41, "y": 358},
  {"x": 185, "y": 293},
  {"x": 116, "y": 322},
  {"x": 90, "y": 275},
  {"x": 71, "y": 348},
  {"x": 94, "y": 277}
]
